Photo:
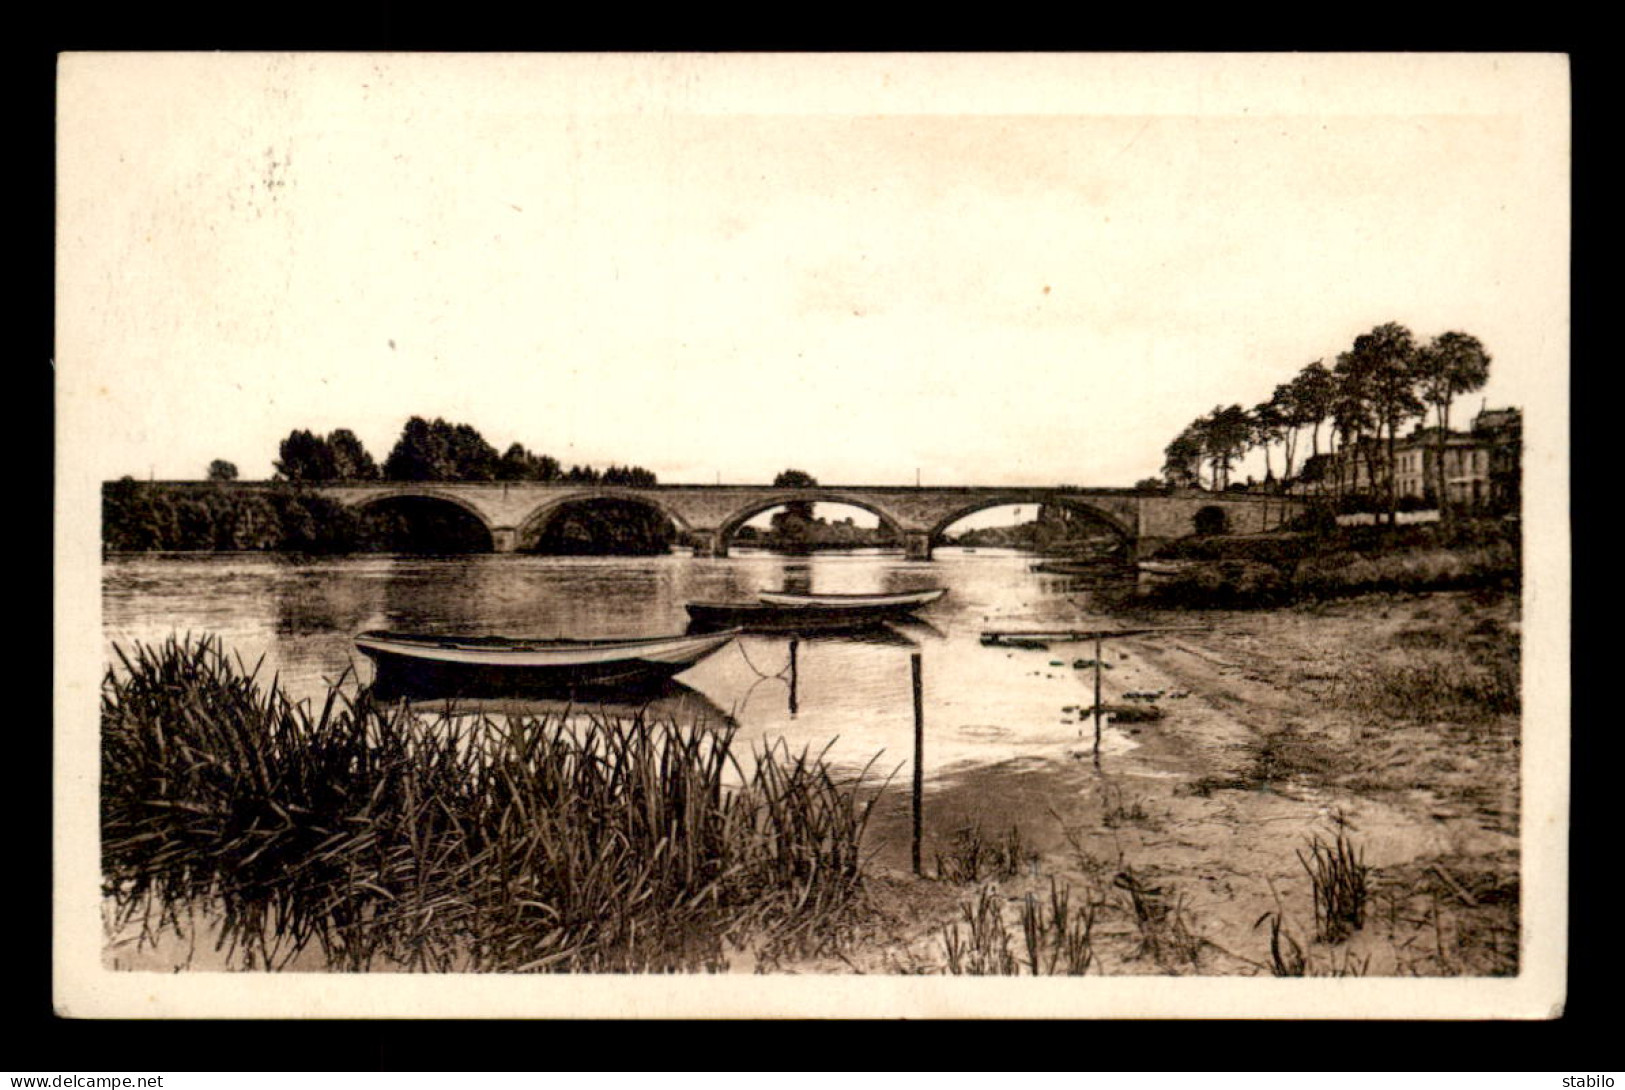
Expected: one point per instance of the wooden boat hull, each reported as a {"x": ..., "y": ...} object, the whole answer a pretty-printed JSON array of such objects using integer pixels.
[
  {"x": 883, "y": 605},
  {"x": 760, "y": 617},
  {"x": 497, "y": 663},
  {"x": 1099, "y": 568}
]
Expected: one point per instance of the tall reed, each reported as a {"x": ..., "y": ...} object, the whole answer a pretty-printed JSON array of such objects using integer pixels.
[
  {"x": 1286, "y": 955},
  {"x": 385, "y": 838},
  {"x": 1061, "y": 940},
  {"x": 1058, "y": 936},
  {"x": 985, "y": 950}
]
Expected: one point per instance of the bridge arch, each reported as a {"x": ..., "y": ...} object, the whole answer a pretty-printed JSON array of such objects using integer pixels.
[
  {"x": 1107, "y": 520},
  {"x": 412, "y": 492},
  {"x": 1211, "y": 519},
  {"x": 731, "y": 524},
  {"x": 534, "y": 524},
  {"x": 382, "y": 497}
]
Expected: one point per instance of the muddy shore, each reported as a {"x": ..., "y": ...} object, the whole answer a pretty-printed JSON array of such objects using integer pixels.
[{"x": 1389, "y": 719}]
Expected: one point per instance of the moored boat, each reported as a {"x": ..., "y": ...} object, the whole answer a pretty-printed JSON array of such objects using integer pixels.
[
  {"x": 761, "y": 617},
  {"x": 1156, "y": 570},
  {"x": 541, "y": 663},
  {"x": 892, "y": 605},
  {"x": 1104, "y": 566}
]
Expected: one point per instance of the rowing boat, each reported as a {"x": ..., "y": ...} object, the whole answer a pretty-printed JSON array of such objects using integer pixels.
[
  {"x": 544, "y": 663},
  {"x": 888, "y": 605},
  {"x": 1104, "y": 567},
  {"x": 761, "y": 617}
]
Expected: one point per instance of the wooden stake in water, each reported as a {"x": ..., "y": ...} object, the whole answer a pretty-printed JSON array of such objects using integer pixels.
[
  {"x": 919, "y": 753},
  {"x": 1097, "y": 701},
  {"x": 793, "y": 644}
]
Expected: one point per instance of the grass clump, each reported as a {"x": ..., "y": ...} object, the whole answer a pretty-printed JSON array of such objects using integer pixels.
[
  {"x": 1339, "y": 878},
  {"x": 1252, "y": 571},
  {"x": 1222, "y": 584},
  {"x": 1279, "y": 548},
  {"x": 973, "y": 856},
  {"x": 1057, "y": 936},
  {"x": 1116, "y": 813},
  {"x": 1286, "y": 953},
  {"x": 389, "y": 840},
  {"x": 1164, "y": 925},
  {"x": 1288, "y": 958},
  {"x": 1443, "y": 684},
  {"x": 1332, "y": 575},
  {"x": 985, "y": 948}
]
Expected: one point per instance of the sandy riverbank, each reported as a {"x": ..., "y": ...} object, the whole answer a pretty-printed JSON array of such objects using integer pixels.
[{"x": 1390, "y": 713}]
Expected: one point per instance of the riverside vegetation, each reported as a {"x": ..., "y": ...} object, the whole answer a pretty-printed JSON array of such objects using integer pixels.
[
  {"x": 363, "y": 837},
  {"x": 381, "y": 839},
  {"x": 1326, "y": 562},
  {"x": 140, "y": 516}
]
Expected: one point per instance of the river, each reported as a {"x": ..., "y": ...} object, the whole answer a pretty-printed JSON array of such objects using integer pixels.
[{"x": 851, "y": 694}]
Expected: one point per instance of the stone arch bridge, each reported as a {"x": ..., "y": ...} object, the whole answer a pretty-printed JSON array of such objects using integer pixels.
[{"x": 707, "y": 516}]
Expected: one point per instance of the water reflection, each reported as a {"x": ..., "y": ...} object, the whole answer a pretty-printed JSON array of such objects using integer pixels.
[
  {"x": 853, "y": 688},
  {"x": 798, "y": 577},
  {"x": 313, "y": 602},
  {"x": 668, "y": 700}
]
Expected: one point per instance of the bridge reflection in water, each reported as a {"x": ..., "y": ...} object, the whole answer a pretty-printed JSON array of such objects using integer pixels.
[{"x": 302, "y": 614}]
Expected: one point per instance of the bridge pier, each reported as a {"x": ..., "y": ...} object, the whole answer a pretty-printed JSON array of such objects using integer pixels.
[
  {"x": 504, "y": 539},
  {"x": 708, "y": 543},
  {"x": 917, "y": 544},
  {"x": 1142, "y": 548}
]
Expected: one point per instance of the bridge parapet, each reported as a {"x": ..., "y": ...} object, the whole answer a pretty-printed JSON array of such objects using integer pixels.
[{"x": 516, "y": 512}]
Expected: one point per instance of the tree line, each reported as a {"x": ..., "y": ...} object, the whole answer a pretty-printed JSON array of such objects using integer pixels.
[
  {"x": 140, "y": 517},
  {"x": 429, "y": 451},
  {"x": 1055, "y": 529},
  {"x": 796, "y": 528},
  {"x": 1382, "y": 382}
]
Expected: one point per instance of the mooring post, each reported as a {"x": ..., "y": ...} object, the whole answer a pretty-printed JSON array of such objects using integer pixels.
[
  {"x": 1097, "y": 701},
  {"x": 793, "y": 644},
  {"x": 919, "y": 752}
]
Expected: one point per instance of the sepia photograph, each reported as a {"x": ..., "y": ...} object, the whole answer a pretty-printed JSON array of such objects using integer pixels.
[{"x": 833, "y": 535}]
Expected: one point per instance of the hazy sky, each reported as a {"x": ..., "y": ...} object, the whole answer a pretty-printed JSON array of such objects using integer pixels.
[{"x": 986, "y": 269}]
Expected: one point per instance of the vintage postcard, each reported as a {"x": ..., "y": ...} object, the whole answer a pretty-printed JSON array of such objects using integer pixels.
[{"x": 883, "y": 536}]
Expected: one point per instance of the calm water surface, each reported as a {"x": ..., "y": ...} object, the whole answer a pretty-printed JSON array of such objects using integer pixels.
[{"x": 852, "y": 693}]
